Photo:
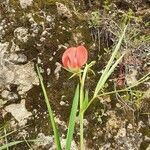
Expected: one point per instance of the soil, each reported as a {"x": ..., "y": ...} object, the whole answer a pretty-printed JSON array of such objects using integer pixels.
[{"x": 38, "y": 32}]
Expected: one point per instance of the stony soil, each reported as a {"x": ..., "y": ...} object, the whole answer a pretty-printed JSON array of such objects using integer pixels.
[{"x": 37, "y": 32}]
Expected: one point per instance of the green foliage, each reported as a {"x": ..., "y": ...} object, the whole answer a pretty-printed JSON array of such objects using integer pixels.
[
  {"x": 7, "y": 144},
  {"x": 106, "y": 5},
  {"x": 137, "y": 97},
  {"x": 10, "y": 144},
  {"x": 94, "y": 20},
  {"x": 110, "y": 66},
  {"x": 86, "y": 99},
  {"x": 51, "y": 116},
  {"x": 72, "y": 119}
]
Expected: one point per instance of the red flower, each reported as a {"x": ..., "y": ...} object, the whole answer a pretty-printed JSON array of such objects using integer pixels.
[{"x": 74, "y": 57}]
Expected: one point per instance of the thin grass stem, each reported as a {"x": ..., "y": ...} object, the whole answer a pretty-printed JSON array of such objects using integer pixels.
[
  {"x": 5, "y": 132},
  {"x": 143, "y": 79}
]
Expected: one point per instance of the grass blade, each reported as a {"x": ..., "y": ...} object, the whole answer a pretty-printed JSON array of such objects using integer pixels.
[
  {"x": 72, "y": 119},
  {"x": 5, "y": 146},
  {"x": 10, "y": 144},
  {"x": 98, "y": 86},
  {"x": 9, "y": 133},
  {"x": 6, "y": 139},
  {"x": 52, "y": 120},
  {"x": 110, "y": 72},
  {"x": 86, "y": 99}
]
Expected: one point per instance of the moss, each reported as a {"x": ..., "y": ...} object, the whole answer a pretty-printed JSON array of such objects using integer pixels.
[
  {"x": 46, "y": 3},
  {"x": 38, "y": 18},
  {"x": 14, "y": 3},
  {"x": 61, "y": 1}
]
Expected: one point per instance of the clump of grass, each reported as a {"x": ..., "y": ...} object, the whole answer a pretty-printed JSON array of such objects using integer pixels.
[
  {"x": 94, "y": 20},
  {"x": 8, "y": 144}
]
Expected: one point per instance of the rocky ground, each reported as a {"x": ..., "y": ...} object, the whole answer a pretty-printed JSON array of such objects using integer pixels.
[{"x": 37, "y": 32}]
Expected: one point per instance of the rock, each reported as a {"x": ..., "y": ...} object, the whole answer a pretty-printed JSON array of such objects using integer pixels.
[
  {"x": 21, "y": 34},
  {"x": 2, "y": 103},
  {"x": 118, "y": 105},
  {"x": 113, "y": 122},
  {"x": 127, "y": 140},
  {"x": 25, "y": 77},
  {"x": 57, "y": 70},
  {"x": 131, "y": 78},
  {"x": 3, "y": 49},
  {"x": 62, "y": 103},
  {"x": 121, "y": 133},
  {"x": 63, "y": 11},
  {"x": 19, "y": 112},
  {"x": 73, "y": 144},
  {"x": 43, "y": 141},
  {"x": 147, "y": 94},
  {"x": 18, "y": 58},
  {"x": 9, "y": 96},
  {"x": 48, "y": 71},
  {"x": 148, "y": 148},
  {"x": 25, "y": 3},
  {"x": 47, "y": 142}
]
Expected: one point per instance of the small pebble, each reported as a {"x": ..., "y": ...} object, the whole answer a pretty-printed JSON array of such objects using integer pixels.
[
  {"x": 48, "y": 71},
  {"x": 130, "y": 126},
  {"x": 62, "y": 103},
  {"x": 118, "y": 105}
]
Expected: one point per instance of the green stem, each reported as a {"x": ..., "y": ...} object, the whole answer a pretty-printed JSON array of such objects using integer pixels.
[{"x": 81, "y": 114}]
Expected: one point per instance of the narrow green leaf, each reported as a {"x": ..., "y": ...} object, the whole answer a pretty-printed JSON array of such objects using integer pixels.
[
  {"x": 9, "y": 133},
  {"x": 73, "y": 75},
  {"x": 51, "y": 117},
  {"x": 101, "y": 85},
  {"x": 6, "y": 139},
  {"x": 14, "y": 143},
  {"x": 72, "y": 119},
  {"x": 91, "y": 71},
  {"x": 27, "y": 142},
  {"x": 86, "y": 99},
  {"x": 9, "y": 145}
]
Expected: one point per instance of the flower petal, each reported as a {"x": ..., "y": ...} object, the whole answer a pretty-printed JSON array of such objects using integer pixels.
[
  {"x": 81, "y": 55},
  {"x": 69, "y": 58},
  {"x": 75, "y": 57}
]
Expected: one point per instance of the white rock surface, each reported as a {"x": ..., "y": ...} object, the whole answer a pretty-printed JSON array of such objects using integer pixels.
[
  {"x": 25, "y": 3},
  {"x": 25, "y": 77},
  {"x": 3, "y": 48},
  {"x": 19, "y": 112},
  {"x": 21, "y": 34}
]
